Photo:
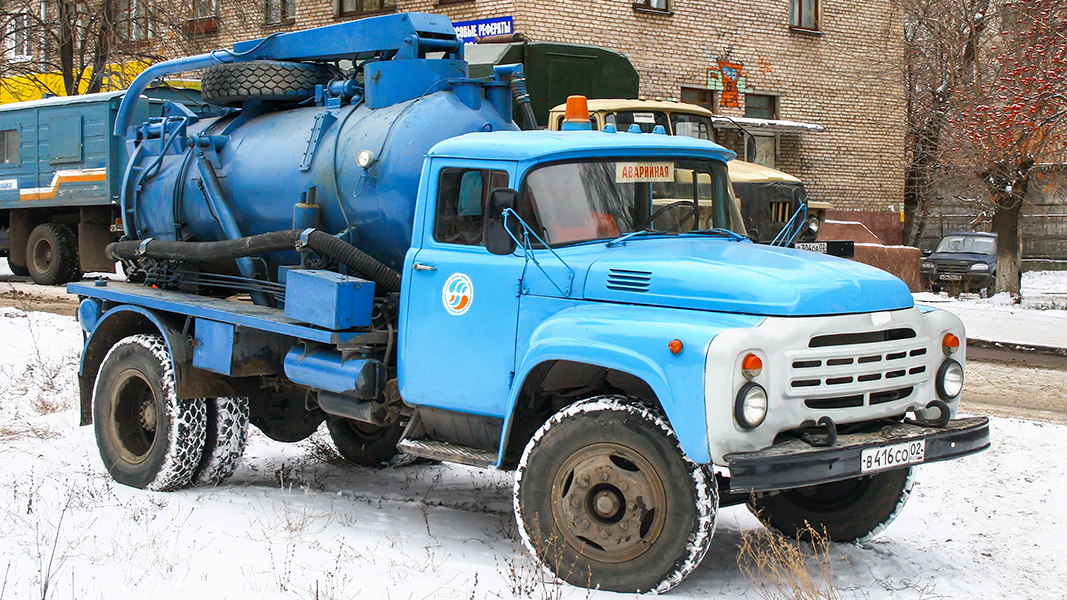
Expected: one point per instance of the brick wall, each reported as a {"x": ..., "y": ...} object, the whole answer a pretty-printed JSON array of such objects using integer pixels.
[{"x": 845, "y": 78}]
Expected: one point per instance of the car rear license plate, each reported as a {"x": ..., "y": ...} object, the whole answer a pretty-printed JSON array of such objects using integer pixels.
[
  {"x": 950, "y": 277},
  {"x": 889, "y": 457}
]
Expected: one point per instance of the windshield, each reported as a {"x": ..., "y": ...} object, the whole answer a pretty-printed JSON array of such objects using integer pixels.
[
  {"x": 968, "y": 243},
  {"x": 581, "y": 201},
  {"x": 647, "y": 121},
  {"x": 694, "y": 126}
]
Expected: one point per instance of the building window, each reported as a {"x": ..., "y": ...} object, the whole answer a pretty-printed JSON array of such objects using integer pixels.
[
  {"x": 804, "y": 14},
  {"x": 277, "y": 12},
  {"x": 355, "y": 8},
  {"x": 709, "y": 99},
  {"x": 761, "y": 106},
  {"x": 204, "y": 8},
  {"x": 9, "y": 146},
  {"x": 134, "y": 24},
  {"x": 21, "y": 38},
  {"x": 652, "y": 5}
]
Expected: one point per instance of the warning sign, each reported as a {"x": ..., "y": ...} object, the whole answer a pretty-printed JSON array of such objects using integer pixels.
[{"x": 650, "y": 172}]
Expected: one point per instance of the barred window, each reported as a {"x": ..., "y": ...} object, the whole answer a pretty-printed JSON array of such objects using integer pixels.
[
  {"x": 804, "y": 14},
  {"x": 276, "y": 12},
  {"x": 134, "y": 22},
  {"x": 353, "y": 8},
  {"x": 653, "y": 5}
]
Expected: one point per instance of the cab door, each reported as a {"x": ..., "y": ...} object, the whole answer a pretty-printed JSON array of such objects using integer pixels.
[{"x": 460, "y": 303}]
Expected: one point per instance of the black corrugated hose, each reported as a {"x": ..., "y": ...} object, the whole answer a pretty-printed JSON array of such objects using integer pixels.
[{"x": 255, "y": 245}]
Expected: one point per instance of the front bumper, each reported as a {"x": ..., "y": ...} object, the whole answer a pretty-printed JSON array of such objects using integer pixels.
[
  {"x": 970, "y": 280},
  {"x": 794, "y": 463}
]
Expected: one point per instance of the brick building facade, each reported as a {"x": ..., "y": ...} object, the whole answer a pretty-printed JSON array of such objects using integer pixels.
[{"x": 830, "y": 63}]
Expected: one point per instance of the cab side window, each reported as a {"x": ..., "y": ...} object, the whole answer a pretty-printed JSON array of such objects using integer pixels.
[{"x": 462, "y": 195}]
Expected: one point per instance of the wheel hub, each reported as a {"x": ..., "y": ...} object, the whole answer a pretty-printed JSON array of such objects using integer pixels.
[
  {"x": 148, "y": 415},
  {"x": 609, "y": 503}
]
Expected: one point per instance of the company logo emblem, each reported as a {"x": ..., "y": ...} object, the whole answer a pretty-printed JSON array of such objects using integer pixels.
[{"x": 458, "y": 294}]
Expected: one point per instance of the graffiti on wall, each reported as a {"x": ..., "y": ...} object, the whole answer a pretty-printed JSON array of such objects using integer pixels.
[{"x": 728, "y": 78}]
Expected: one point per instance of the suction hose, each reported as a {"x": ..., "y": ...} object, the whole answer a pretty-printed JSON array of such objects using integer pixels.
[{"x": 255, "y": 245}]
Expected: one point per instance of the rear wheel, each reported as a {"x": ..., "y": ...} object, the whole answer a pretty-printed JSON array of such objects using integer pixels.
[
  {"x": 365, "y": 444},
  {"x": 850, "y": 510},
  {"x": 147, "y": 437},
  {"x": 52, "y": 254},
  {"x": 225, "y": 439},
  {"x": 605, "y": 497}
]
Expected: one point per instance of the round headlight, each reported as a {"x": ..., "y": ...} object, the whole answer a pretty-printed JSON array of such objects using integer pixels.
[
  {"x": 949, "y": 379},
  {"x": 750, "y": 407},
  {"x": 814, "y": 224}
]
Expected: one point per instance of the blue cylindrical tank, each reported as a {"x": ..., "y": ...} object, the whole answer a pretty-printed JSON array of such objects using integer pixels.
[{"x": 259, "y": 170}]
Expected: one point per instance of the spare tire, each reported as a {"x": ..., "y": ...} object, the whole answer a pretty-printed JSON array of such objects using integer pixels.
[{"x": 270, "y": 80}]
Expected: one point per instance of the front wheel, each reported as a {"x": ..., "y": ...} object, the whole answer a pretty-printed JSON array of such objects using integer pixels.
[
  {"x": 52, "y": 254},
  {"x": 147, "y": 437},
  {"x": 848, "y": 511},
  {"x": 605, "y": 497}
]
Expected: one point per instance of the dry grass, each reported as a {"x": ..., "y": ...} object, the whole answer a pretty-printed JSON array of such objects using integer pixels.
[
  {"x": 27, "y": 431},
  {"x": 780, "y": 567}
]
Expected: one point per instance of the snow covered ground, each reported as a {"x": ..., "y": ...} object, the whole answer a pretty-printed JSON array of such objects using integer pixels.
[
  {"x": 295, "y": 523},
  {"x": 1040, "y": 319}
]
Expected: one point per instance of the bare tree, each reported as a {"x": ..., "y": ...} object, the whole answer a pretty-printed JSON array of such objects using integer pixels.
[
  {"x": 942, "y": 40},
  {"x": 1013, "y": 118},
  {"x": 67, "y": 47}
]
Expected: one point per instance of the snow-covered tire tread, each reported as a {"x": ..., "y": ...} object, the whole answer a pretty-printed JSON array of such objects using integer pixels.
[{"x": 227, "y": 435}]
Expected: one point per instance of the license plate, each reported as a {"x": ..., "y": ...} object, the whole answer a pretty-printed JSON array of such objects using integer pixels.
[
  {"x": 889, "y": 457},
  {"x": 819, "y": 247},
  {"x": 951, "y": 277}
]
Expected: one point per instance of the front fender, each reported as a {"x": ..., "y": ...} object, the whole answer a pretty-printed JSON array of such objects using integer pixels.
[{"x": 631, "y": 339}]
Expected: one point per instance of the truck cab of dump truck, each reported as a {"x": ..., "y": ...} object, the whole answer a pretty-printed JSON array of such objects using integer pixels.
[
  {"x": 580, "y": 307},
  {"x": 769, "y": 198}
]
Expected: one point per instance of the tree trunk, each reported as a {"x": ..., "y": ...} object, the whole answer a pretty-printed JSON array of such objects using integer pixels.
[
  {"x": 67, "y": 26},
  {"x": 1009, "y": 244}
]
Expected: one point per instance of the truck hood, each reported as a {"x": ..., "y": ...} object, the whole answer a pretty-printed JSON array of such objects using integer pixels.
[{"x": 740, "y": 277}]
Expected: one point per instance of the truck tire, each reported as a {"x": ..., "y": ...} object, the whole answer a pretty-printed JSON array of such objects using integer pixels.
[
  {"x": 605, "y": 497},
  {"x": 147, "y": 437},
  {"x": 52, "y": 254},
  {"x": 850, "y": 511},
  {"x": 225, "y": 440},
  {"x": 364, "y": 444},
  {"x": 271, "y": 80}
]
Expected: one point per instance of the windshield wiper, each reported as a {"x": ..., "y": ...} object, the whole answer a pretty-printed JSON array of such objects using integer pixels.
[
  {"x": 734, "y": 236},
  {"x": 621, "y": 239}
]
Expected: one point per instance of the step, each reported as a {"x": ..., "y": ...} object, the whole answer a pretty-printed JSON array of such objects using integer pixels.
[{"x": 447, "y": 452}]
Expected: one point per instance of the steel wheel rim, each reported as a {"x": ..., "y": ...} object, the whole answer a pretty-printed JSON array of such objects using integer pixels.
[
  {"x": 608, "y": 503},
  {"x": 134, "y": 418},
  {"x": 43, "y": 256}
]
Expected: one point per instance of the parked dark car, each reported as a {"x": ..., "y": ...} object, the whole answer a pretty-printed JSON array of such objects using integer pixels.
[{"x": 962, "y": 262}]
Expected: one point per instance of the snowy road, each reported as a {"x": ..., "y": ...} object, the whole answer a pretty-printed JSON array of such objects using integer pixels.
[{"x": 294, "y": 523}]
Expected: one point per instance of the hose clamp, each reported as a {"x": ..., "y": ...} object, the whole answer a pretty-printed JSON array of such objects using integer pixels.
[
  {"x": 303, "y": 241},
  {"x": 142, "y": 248}
]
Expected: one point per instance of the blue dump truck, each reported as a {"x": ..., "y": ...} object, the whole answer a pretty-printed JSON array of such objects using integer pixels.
[{"x": 380, "y": 249}]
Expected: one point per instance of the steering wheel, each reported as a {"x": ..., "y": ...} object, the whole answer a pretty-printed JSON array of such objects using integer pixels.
[{"x": 693, "y": 214}]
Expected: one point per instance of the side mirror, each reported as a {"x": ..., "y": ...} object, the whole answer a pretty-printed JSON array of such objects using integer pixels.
[
  {"x": 497, "y": 240},
  {"x": 927, "y": 252}
]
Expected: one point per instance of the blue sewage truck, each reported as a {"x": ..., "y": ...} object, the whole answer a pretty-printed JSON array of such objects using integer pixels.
[{"x": 369, "y": 241}]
